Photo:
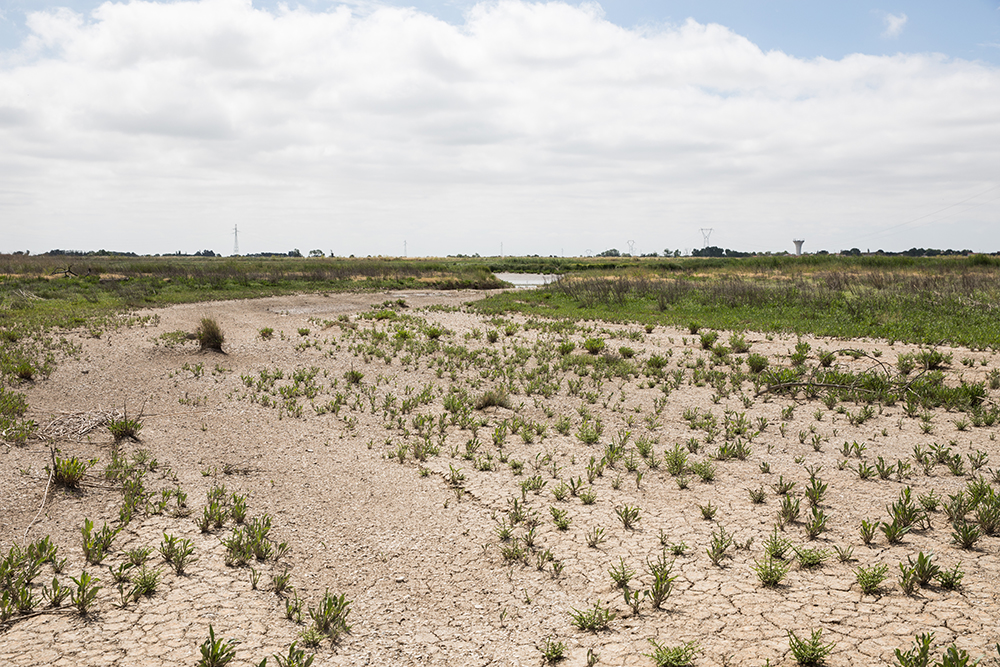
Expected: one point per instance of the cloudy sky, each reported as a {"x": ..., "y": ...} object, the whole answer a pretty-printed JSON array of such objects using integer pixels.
[{"x": 448, "y": 126}]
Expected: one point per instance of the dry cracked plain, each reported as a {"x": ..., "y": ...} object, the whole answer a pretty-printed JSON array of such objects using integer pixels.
[{"x": 419, "y": 551}]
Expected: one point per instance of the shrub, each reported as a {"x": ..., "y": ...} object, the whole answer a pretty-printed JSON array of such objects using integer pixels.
[
  {"x": 210, "y": 335},
  {"x": 593, "y": 345}
]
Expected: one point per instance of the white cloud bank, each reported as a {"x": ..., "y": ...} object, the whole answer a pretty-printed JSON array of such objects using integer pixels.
[
  {"x": 157, "y": 127},
  {"x": 893, "y": 25}
]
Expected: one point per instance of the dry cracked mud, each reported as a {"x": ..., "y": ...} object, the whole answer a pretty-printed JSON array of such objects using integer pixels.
[{"x": 419, "y": 553}]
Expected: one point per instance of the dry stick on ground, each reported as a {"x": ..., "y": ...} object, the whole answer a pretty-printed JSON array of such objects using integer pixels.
[
  {"x": 879, "y": 362},
  {"x": 52, "y": 472}
]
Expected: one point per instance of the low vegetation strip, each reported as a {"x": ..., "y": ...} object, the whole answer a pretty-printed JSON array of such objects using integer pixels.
[{"x": 917, "y": 305}]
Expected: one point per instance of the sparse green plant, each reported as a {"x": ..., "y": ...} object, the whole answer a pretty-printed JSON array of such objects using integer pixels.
[
  {"x": 810, "y": 558},
  {"x": 216, "y": 652},
  {"x": 771, "y": 571},
  {"x": 673, "y": 656},
  {"x": 718, "y": 546},
  {"x": 330, "y": 616},
  {"x": 919, "y": 654},
  {"x": 868, "y": 529},
  {"x": 56, "y": 594},
  {"x": 594, "y": 619},
  {"x": 296, "y": 657},
  {"x": 789, "y": 511},
  {"x": 125, "y": 427},
  {"x": 845, "y": 554},
  {"x": 816, "y": 523},
  {"x": 552, "y": 651},
  {"x": 776, "y": 546},
  {"x": 146, "y": 581},
  {"x": 595, "y": 537},
  {"x": 782, "y": 487},
  {"x": 810, "y": 651},
  {"x": 893, "y": 531},
  {"x": 870, "y": 578},
  {"x": 924, "y": 568},
  {"x": 965, "y": 534},
  {"x": 629, "y": 515},
  {"x": 85, "y": 593},
  {"x": 621, "y": 574},
  {"x": 69, "y": 472},
  {"x": 950, "y": 579},
  {"x": 560, "y": 518}
]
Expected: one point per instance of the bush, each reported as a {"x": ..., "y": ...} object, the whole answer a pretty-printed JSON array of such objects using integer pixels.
[
  {"x": 593, "y": 345},
  {"x": 210, "y": 335}
]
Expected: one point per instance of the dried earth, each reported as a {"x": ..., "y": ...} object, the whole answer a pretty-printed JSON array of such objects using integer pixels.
[{"x": 420, "y": 557}]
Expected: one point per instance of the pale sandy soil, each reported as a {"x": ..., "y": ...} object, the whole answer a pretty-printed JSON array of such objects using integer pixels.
[{"x": 422, "y": 564}]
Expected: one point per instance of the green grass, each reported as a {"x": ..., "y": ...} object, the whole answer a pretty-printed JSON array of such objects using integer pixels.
[{"x": 929, "y": 301}]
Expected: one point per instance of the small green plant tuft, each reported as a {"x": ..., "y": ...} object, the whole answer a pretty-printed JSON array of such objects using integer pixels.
[
  {"x": 673, "y": 656},
  {"x": 810, "y": 651}
]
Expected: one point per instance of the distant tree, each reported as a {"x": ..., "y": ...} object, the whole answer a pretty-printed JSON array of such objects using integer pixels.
[
  {"x": 710, "y": 251},
  {"x": 205, "y": 253},
  {"x": 610, "y": 253},
  {"x": 316, "y": 253},
  {"x": 295, "y": 253}
]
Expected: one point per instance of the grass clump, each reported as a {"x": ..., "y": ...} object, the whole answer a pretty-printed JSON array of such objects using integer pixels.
[
  {"x": 496, "y": 397},
  {"x": 209, "y": 335}
]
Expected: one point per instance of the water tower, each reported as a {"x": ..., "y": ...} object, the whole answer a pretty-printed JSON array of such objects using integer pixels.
[{"x": 798, "y": 245}]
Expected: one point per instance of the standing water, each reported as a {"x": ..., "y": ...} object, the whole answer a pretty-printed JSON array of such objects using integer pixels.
[{"x": 528, "y": 280}]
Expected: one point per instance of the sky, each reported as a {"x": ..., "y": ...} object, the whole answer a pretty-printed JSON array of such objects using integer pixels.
[{"x": 506, "y": 127}]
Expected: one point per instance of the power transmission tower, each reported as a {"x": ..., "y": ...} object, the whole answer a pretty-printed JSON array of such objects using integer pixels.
[
  {"x": 236, "y": 240},
  {"x": 631, "y": 247},
  {"x": 705, "y": 233}
]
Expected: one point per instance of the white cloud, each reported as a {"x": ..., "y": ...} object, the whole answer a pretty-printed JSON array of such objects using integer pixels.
[
  {"x": 893, "y": 25},
  {"x": 157, "y": 127}
]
